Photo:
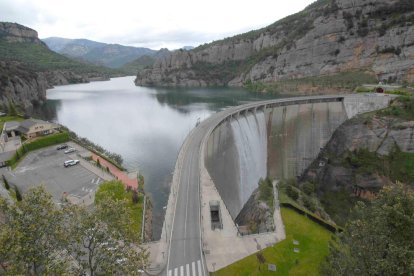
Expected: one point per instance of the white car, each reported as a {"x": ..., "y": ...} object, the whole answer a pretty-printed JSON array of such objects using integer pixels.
[
  {"x": 70, "y": 163},
  {"x": 69, "y": 150}
]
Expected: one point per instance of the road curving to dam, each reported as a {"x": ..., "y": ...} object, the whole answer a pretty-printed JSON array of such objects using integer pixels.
[{"x": 182, "y": 226}]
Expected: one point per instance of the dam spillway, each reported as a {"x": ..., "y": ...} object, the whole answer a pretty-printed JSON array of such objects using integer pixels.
[
  {"x": 250, "y": 138},
  {"x": 277, "y": 141}
]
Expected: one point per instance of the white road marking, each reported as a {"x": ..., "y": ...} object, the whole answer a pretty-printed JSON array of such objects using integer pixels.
[
  {"x": 98, "y": 180},
  {"x": 199, "y": 267},
  {"x": 193, "y": 266},
  {"x": 187, "y": 269},
  {"x": 93, "y": 180},
  {"x": 169, "y": 273},
  {"x": 182, "y": 270},
  {"x": 176, "y": 271}
]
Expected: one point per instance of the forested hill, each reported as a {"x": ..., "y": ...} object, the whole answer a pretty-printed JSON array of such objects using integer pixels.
[{"x": 331, "y": 45}]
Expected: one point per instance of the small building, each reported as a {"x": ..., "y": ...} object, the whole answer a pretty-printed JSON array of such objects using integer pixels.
[
  {"x": 10, "y": 129},
  {"x": 32, "y": 128}
]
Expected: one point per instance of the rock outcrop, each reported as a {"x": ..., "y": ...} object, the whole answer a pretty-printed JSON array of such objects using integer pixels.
[
  {"x": 28, "y": 68},
  {"x": 20, "y": 86},
  {"x": 13, "y": 32},
  {"x": 256, "y": 216},
  {"x": 329, "y": 37},
  {"x": 339, "y": 166}
]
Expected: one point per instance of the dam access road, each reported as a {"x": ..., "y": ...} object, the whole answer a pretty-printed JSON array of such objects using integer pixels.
[{"x": 182, "y": 238}]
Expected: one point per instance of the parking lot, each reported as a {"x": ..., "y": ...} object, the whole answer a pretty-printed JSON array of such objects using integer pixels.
[{"x": 77, "y": 183}]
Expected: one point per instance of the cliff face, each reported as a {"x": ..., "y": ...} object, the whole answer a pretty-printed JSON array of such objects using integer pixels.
[
  {"x": 363, "y": 155},
  {"x": 28, "y": 68},
  {"x": 13, "y": 32},
  {"x": 21, "y": 86},
  {"x": 328, "y": 37}
]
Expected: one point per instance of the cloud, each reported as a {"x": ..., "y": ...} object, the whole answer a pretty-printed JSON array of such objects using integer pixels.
[{"x": 153, "y": 24}]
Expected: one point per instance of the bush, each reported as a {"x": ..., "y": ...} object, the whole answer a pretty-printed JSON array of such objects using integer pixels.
[
  {"x": 18, "y": 194},
  {"x": 292, "y": 192},
  {"x": 309, "y": 203},
  {"x": 135, "y": 197},
  {"x": 308, "y": 188},
  {"x": 6, "y": 183},
  {"x": 266, "y": 192}
]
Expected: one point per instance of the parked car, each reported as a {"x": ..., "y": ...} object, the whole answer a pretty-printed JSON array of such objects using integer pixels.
[
  {"x": 70, "y": 163},
  {"x": 63, "y": 146},
  {"x": 69, "y": 150}
]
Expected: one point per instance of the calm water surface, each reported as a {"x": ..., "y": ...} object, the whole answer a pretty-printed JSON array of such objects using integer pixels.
[{"x": 145, "y": 125}]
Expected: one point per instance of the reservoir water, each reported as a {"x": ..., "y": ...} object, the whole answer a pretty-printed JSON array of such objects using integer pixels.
[{"x": 146, "y": 126}]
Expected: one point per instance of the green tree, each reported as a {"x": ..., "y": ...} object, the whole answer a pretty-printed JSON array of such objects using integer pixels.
[
  {"x": 378, "y": 239},
  {"x": 101, "y": 241},
  {"x": 35, "y": 225},
  {"x": 37, "y": 238},
  {"x": 12, "y": 109}
]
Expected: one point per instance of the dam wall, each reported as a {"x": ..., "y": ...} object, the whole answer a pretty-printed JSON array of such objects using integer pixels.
[{"x": 278, "y": 139}]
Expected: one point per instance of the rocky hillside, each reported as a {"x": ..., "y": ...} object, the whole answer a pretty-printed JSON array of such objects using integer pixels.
[
  {"x": 109, "y": 55},
  {"x": 330, "y": 37},
  {"x": 144, "y": 62},
  {"x": 28, "y": 67},
  {"x": 21, "y": 86},
  {"x": 363, "y": 155}
]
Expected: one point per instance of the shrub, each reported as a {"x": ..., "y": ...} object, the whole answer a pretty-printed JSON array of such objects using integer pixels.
[
  {"x": 309, "y": 203},
  {"x": 135, "y": 197},
  {"x": 18, "y": 194},
  {"x": 292, "y": 192},
  {"x": 308, "y": 188},
  {"x": 6, "y": 183}
]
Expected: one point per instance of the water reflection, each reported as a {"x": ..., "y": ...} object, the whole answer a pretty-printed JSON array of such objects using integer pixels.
[{"x": 146, "y": 126}]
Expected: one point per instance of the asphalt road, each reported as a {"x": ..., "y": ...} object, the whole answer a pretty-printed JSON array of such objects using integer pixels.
[{"x": 185, "y": 256}]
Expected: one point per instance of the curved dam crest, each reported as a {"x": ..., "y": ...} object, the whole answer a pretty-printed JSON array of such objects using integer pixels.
[{"x": 276, "y": 141}]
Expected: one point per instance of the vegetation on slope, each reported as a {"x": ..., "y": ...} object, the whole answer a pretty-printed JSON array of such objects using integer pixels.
[
  {"x": 115, "y": 190},
  {"x": 39, "y": 58},
  {"x": 139, "y": 64},
  {"x": 378, "y": 238}
]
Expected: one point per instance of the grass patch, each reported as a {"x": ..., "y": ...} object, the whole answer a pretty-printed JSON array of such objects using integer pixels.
[
  {"x": 116, "y": 190},
  {"x": 313, "y": 244}
]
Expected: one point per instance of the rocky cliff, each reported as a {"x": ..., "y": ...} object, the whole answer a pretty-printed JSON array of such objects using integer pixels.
[
  {"x": 13, "y": 32},
  {"x": 28, "y": 67},
  {"x": 21, "y": 86},
  {"x": 329, "y": 37},
  {"x": 363, "y": 155}
]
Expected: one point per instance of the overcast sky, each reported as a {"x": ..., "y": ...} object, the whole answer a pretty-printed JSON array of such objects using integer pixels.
[{"x": 152, "y": 23}]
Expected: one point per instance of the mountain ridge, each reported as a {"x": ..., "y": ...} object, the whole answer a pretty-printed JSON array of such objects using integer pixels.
[
  {"x": 329, "y": 37},
  {"x": 109, "y": 55}
]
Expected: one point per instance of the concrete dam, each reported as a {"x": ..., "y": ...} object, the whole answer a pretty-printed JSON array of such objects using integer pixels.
[
  {"x": 279, "y": 140},
  {"x": 220, "y": 164}
]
